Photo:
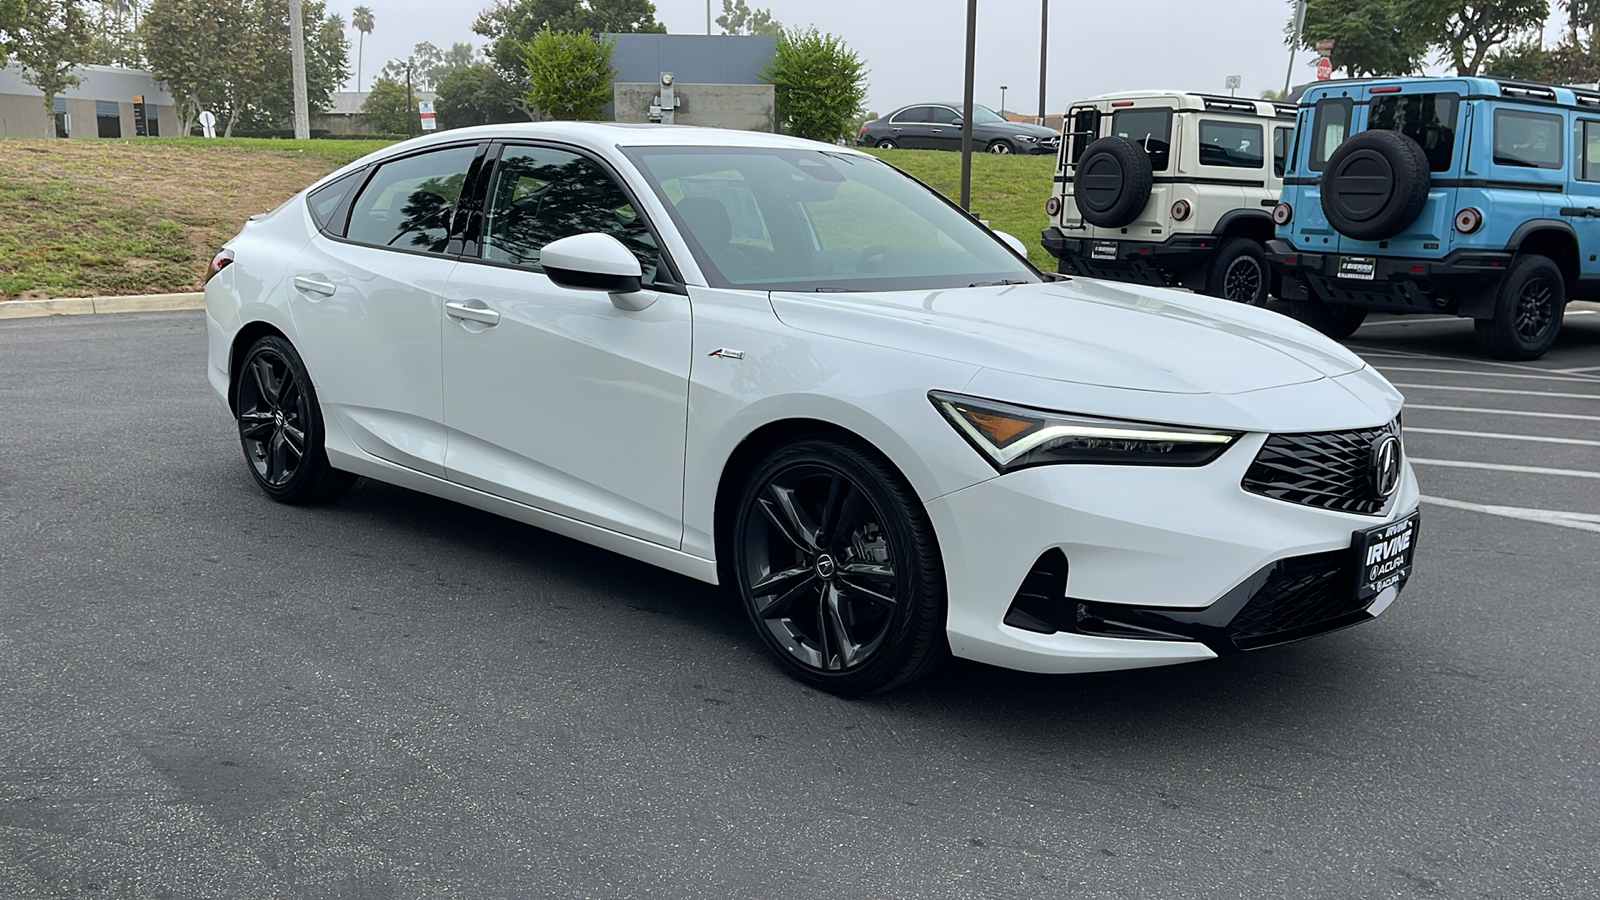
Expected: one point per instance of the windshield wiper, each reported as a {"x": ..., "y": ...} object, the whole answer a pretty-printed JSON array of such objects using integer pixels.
[{"x": 1001, "y": 282}]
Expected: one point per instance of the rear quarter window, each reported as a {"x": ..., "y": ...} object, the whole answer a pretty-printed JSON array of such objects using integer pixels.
[
  {"x": 1527, "y": 139},
  {"x": 1233, "y": 145}
]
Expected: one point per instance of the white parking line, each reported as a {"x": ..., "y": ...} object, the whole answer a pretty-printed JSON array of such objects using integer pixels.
[
  {"x": 1505, "y": 437},
  {"x": 1412, "y": 320},
  {"x": 1479, "y": 390},
  {"x": 1584, "y": 521},
  {"x": 1499, "y": 467},
  {"x": 1566, "y": 377},
  {"x": 1391, "y": 353},
  {"x": 1503, "y": 412},
  {"x": 1577, "y": 370}
]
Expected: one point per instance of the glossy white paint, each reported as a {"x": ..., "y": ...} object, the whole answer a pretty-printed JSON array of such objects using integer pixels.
[
  {"x": 600, "y": 254},
  {"x": 494, "y": 387}
]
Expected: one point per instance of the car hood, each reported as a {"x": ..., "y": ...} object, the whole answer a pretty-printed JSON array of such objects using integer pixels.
[
  {"x": 1038, "y": 131},
  {"x": 1085, "y": 332}
]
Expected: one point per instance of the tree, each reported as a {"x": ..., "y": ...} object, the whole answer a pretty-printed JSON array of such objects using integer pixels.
[
  {"x": 819, "y": 83},
  {"x": 10, "y": 21},
  {"x": 362, "y": 20},
  {"x": 739, "y": 18},
  {"x": 569, "y": 73},
  {"x": 1526, "y": 60},
  {"x": 429, "y": 64},
  {"x": 265, "y": 98},
  {"x": 510, "y": 24},
  {"x": 50, "y": 39},
  {"x": 114, "y": 42},
  {"x": 1372, "y": 37},
  {"x": 197, "y": 48},
  {"x": 1471, "y": 31},
  {"x": 474, "y": 95},
  {"x": 387, "y": 107}
]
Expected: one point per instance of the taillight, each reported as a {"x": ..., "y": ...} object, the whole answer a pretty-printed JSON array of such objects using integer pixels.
[
  {"x": 222, "y": 260},
  {"x": 1180, "y": 210},
  {"x": 1052, "y": 207},
  {"x": 1282, "y": 214},
  {"x": 1468, "y": 220}
]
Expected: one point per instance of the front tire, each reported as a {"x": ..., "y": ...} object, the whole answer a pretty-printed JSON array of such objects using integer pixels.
[
  {"x": 1239, "y": 273},
  {"x": 838, "y": 568},
  {"x": 1528, "y": 310},
  {"x": 281, "y": 428},
  {"x": 1334, "y": 320}
]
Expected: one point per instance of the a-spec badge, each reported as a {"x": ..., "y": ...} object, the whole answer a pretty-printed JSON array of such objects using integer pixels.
[{"x": 725, "y": 353}]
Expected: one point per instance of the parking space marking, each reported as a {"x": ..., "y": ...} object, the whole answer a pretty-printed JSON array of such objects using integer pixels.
[
  {"x": 1583, "y": 521},
  {"x": 1483, "y": 390},
  {"x": 1412, "y": 320},
  {"x": 1504, "y": 437},
  {"x": 1503, "y": 412},
  {"x": 1390, "y": 353},
  {"x": 1501, "y": 467},
  {"x": 1577, "y": 370},
  {"x": 1563, "y": 377}
]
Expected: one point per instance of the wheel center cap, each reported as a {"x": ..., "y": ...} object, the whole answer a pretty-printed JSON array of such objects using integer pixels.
[
  {"x": 277, "y": 417},
  {"x": 825, "y": 566}
]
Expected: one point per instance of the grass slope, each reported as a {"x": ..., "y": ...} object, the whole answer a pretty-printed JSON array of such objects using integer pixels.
[{"x": 87, "y": 218}]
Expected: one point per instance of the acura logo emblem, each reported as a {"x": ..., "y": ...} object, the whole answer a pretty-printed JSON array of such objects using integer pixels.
[{"x": 1386, "y": 465}]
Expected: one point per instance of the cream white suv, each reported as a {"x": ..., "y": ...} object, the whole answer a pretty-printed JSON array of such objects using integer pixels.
[{"x": 1170, "y": 188}]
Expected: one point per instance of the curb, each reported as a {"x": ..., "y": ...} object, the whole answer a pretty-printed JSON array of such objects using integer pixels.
[{"x": 85, "y": 306}]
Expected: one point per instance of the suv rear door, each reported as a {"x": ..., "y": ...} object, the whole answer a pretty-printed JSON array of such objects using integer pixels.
[{"x": 1435, "y": 115}]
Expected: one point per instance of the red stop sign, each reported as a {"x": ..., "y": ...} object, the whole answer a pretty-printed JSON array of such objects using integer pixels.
[{"x": 1324, "y": 69}]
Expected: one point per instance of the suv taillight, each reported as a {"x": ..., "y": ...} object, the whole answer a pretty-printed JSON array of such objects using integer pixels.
[
  {"x": 1180, "y": 210},
  {"x": 1469, "y": 220},
  {"x": 222, "y": 260},
  {"x": 1052, "y": 207},
  {"x": 1282, "y": 214}
]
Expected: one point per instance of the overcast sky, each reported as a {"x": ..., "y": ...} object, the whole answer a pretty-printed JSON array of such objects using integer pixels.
[{"x": 914, "y": 48}]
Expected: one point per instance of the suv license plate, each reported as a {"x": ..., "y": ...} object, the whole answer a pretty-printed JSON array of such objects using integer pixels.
[
  {"x": 1358, "y": 267},
  {"x": 1104, "y": 250},
  {"x": 1385, "y": 555}
]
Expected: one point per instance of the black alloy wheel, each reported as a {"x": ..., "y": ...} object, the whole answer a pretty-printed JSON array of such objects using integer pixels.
[
  {"x": 1239, "y": 273},
  {"x": 1000, "y": 147},
  {"x": 838, "y": 569},
  {"x": 1529, "y": 307},
  {"x": 280, "y": 426}
]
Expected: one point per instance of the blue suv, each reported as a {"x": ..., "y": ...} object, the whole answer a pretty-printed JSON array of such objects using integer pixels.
[{"x": 1468, "y": 196}]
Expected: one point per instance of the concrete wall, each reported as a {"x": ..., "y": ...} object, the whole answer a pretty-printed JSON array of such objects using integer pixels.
[
  {"x": 25, "y": 117},
  {"x": 746, "y": 107},
  {"x": 83, "y": 119},
  {"x": 691, "y": 58}
]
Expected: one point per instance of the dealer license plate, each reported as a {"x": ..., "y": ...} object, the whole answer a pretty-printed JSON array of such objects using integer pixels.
[
  {"x": 1361, "y": 268},
  {"x": 1385, "y": 554},
  {"x": 1104, "y": 250}
]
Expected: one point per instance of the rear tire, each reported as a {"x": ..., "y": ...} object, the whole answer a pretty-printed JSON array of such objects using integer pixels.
[
  {"x": 887, "y": 144},
  {"x": 838, "y": 568},
  {"x": 1334, "y": 320},
  {"x": 1239, "y": 273},
  {"x": 1529, "y": 306},
  {"x": 281, "y": 428}
]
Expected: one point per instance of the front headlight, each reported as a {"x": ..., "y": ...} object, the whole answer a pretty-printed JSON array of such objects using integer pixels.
[
  {"x": 1016, "y": 437},
  {"x": 1026, "y": 137}
]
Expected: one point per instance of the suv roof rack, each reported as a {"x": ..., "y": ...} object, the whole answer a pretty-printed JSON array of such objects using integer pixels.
[
  {"x": 1528, "y": 90},
  {"x": 1585, "y": 97},
  {"x": 1231, "y": 104}
]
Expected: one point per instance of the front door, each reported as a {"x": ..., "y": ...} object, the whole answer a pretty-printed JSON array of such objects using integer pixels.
[
  {"x": 366, "y": 309},
  {"x": 555, "y": 397}
]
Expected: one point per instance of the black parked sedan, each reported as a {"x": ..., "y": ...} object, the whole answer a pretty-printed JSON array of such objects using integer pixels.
[{"x": 937, "y": 126}]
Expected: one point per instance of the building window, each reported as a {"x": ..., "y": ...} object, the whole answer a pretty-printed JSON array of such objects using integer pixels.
[{"x": 108, "y": 116}]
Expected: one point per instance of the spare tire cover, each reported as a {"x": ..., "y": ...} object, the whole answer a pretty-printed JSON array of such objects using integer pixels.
[
  {"x": 1112, "y": 182},
  {"x": 1375, "y": 185}
]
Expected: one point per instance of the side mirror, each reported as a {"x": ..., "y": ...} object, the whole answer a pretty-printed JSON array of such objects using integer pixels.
[
  {"x": 958, "y": 122},
  {"x": 1013, "y": 243},
  {"x": 596, "y": 262}
]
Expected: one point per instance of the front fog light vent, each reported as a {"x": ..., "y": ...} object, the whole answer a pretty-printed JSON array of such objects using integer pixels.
[{"x": 1041, "y": 603}]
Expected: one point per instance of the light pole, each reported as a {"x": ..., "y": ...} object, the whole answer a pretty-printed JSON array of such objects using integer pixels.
[
  {"x": 297, "y": 64},
  {"x": 1002, "y": 100},
  {"x": 966, "y": 107},
  {"x": 1044, "y": 47}
]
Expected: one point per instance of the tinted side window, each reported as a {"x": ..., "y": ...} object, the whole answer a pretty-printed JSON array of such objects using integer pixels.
[
  {"x": 1231, "y": 144},
  {"x": 409, "y": 203},
  {"x": 942, "y": 115},
  {"x": 325, "y": 201},
  {"x": 1280, "y": 149},
  {"x": 1428, "y": 119},
  {"x": 1527, "y": 139},
  {"x": 540, "y": 195},
  {"x": 1329, "y": 127},
  {"x": 1150, "y": 129},
  {"x": 1085, "y": 127},
  {"x": 1589, "y": 150},
  {"x": 914, "y": 114}
]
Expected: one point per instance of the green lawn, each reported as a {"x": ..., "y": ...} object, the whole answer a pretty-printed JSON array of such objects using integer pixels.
[{"x": 86, "y": 218}]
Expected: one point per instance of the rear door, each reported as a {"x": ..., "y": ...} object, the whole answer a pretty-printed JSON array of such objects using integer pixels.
[
  {"x": 1324, "y": 126},
  {"x": 1433, "y": 114},
  {"x": 1158, "y": 130},
  {"x": 912, "y": 127}
]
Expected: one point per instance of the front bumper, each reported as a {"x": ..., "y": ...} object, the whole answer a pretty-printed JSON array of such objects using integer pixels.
[
  {"x": 1156, "y": 263},
  {"x": 1180, "y": 551},
  {"x": 1398, "y": 284}
]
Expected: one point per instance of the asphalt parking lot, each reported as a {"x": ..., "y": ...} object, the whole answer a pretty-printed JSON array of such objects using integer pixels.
[{"x": 205, "y": 694}]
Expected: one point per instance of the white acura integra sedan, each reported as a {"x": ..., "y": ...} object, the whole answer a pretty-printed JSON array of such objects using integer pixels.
[{"x": 789, "y": 366}]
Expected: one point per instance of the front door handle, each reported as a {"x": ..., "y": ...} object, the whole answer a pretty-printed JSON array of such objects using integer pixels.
[
  {"x": 307, "y": 285},
  {"x": 472, "y": 311}
]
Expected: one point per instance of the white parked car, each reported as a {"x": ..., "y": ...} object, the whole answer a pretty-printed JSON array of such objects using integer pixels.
[{"x": 786, "y": 365}]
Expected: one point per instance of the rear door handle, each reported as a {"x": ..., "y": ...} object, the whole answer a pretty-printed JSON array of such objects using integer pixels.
[
  {"x": 316, "y": 286},
  {"x": 472, "y": 311}
]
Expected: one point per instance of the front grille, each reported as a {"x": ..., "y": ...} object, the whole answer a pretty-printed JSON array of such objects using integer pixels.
[
  {"x": 1328, "y": 469},
  {"x": 1300, "y": 596}
]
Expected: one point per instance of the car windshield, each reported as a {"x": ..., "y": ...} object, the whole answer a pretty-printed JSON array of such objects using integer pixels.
[
  {"x": 815, "y": 220},
  {"x": 983, "y": 115}
]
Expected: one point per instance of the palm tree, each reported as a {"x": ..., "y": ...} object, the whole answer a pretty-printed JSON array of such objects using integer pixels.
[{"x": 362, "y": 19}]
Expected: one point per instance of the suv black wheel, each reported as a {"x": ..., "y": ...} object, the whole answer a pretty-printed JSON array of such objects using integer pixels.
[
  {"x": 1112, "y": 182},
  {"x": 1001, "y": 147},
  {"x": 280, "y": 426},
  {"x": 1239, "y": 273},
  {"x": 1528, "y": 309},
  {"x": 1332, "y": 319},
  {"x": 838, "y": 568}
]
